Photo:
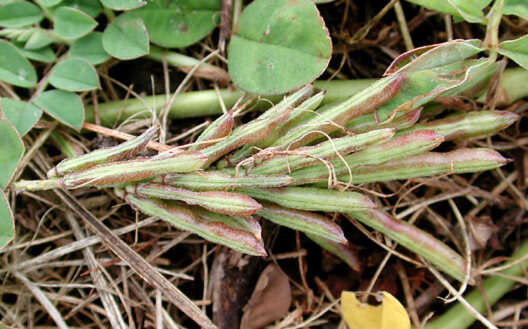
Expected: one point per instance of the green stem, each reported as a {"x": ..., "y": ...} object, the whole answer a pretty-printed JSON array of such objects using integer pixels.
[
  {"x": 206, "y": 102},
  {"x": 494, "y": 288}
]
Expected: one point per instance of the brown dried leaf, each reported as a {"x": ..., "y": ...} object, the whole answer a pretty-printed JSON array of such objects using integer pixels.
[{"x": 270, "y": 300}]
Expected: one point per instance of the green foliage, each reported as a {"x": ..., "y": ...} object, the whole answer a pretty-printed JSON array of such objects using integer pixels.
[
  {"x": 90, "y": 48},
  {"x": 49, "y": 3},
  {"x": 11, "y": 149},
  {"x": 123, "y": 4},
  {"x": 44, "y": 54},
  {"x": 71, "y": 23},
  {"x": 469, "y": 10},
  {"x": 63, "y": 105},
  {"x": 14, "y": 68},
  {"x": 74, "y": 75},
  {"x": 90, "y": 7},
  {"x": 178, "y": 23},
  {"x": 19, "y": 13},
  {"x": 126, "y": 38},
  {"x": 278, "y": 46},
  {"x": 517, "y": 8},
  {"x": 6, "y": 222},
  {"x": 22, "y": 115},
  {"x": 516, "y": 50}
]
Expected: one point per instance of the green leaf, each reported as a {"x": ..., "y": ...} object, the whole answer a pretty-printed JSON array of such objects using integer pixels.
[
  {"x": 14, "y": 68},
  {"x": 7, "y": 226},
  {"x": 517, "y": 50},
  {"x": 50, "y": 3},
  {"x": 71, "y": 23},
  {"x": 126, "y": 38},
  {"x": 187, "y": 20},
  {"x": 44, "y": 55},
  {"x": 38, "y": 39},
  {"x": 469, "y": 10},
  {"x": 517, "y": 8},
  {"x": 90, "y": 48},
  {"x": 22, "y": 115},
  {"x": 63, "y": 105},
  {"x": 90, "y": 7},
  {"x": 278, "y": 46},
  {"x": 19, "y": 13},
  {"x": 123, "y": 4},
  {"x": 11, "y": 149},
  {"x": 74, "y": 75}
]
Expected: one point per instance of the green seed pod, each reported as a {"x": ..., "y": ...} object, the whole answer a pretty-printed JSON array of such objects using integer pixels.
[
  {"x": 308, "y": 155},
  {"x": 214, "y": 180},
  {"x": 222, "y": 202},
  {"x": 468, "y": 125},
  {"x": 221, "y": 127},
  {"x": 310, "y": 198},
  {"x": 111, "y": 154},
  {"x": 304, "y": 221},
  {"x": 403, "y": 146},
  {"x": 111, "y": 174},
  {"x": 416, "y": 240},
  {"x": 185, "y": 219}
]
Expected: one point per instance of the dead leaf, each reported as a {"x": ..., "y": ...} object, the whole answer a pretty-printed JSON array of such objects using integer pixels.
[
  {"x": 390, "y": 314},
  {"x": 270, "y": 300}
]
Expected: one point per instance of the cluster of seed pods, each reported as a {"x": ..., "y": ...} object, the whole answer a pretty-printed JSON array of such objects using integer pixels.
[{"x": 299, "y": 162}]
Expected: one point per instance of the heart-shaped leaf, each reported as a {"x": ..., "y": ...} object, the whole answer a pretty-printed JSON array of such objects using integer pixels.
[
  {"x": 123, "y": 4},
  {"x": 517, "y": 50},
  {"x": 63, "y": 105},
  {"x": 44, "y": 55},
  {"x": 22, "y": 115},
  {"x": 126, "y": 38},
  {"x": 90, "y": 48},
  {"x": 74, "y": 75},
  {"x": 11, "y": 149},
  {"x": 187, "y": 20},
  {"x": 516, "y": 7},
  {"x": 19, "y": 13},
  {"x": 278, "y": 46},
  {"x": 90, "y": 7},
  {"x": 71, "y": 23},
  {"x": 7, "y": 226},
  {"x": 14, "y": 68}
]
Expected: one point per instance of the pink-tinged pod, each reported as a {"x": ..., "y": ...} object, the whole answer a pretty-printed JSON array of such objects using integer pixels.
[
  {"x": 214, "y": 180},
  {"x": 416, "y": 240},
  {"x": 218, "y": 201},
  {"x": 337, "y": 116},
  {"x": 119, "y": 152},
  {"x": 121, "y": 172},
  {"x": 430, "y": 164},
  {"x": 399, "y": 147},
  {"x": 313, "y": 199},
  {"x": 221, "y": 127},
  {"x": 182, "y": 217},
  {"x": 304, "y": 221},
  {"x": 472, "y": 124}
]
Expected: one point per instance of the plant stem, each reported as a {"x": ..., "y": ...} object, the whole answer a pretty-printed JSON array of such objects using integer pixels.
[
  {"x": 494, "y": 288},
  {"x": 206, "y": 102}
]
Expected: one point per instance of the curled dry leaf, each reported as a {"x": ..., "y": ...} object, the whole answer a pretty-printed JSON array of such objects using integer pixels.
[
  {"x": 270, "y": 300},
  {"x": 390, "y": 314}
]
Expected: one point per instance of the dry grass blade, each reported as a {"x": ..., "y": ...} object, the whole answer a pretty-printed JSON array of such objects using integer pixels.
[{"x": 136, "y": 262}]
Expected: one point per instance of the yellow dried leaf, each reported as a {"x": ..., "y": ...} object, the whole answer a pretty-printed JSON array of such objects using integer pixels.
[{"x": 390, "y": 314}]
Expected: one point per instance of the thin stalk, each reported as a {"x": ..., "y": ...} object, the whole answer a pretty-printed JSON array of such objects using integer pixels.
[
  {"x": 206, "y": 102},
  {"x": 493, "y": 288}
]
